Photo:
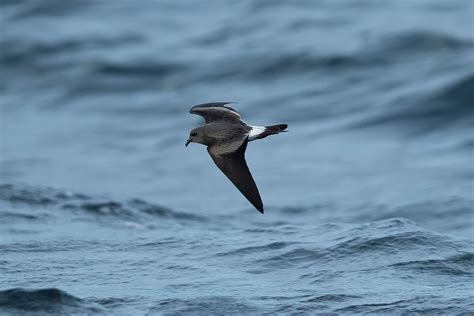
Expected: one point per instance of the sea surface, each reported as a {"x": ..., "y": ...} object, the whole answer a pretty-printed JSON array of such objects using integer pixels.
[{"x": 369, "y": 198}]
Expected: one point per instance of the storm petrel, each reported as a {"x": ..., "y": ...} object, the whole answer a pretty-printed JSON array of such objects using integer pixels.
[{"x": 226, "y": 137}]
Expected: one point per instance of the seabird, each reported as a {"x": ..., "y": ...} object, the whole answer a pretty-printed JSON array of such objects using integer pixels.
[{"x": 226, "y": 137}]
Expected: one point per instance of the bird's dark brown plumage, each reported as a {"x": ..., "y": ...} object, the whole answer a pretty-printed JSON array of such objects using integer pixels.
[
  {"x": 226, "y": 137},
  {"x": 234, "y": 166}
]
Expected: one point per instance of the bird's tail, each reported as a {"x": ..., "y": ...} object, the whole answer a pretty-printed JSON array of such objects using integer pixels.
[{"x": 259, "y": 132}]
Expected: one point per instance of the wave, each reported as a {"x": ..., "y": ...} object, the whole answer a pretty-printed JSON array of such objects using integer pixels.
[
  {"x": 206, "y": 306},
  {"x": 261, "y": 67},
  {"x": 144, "y": 68},
  {"x": 386, "y": 243},
  {"x": 419, "y": 41},
  {"x": 38, "y": 54},
  {"x": 445, "y": 215},
  {"x": 455, "y": 99},
  {"x": 134, "y": 209},
  {"x": 431, "y": 305},
  {"x": 54, "y": 301},
  {"x": 131, "y": 208},
  {"x": 386, "y": 50},
  {"x": 459, "y": 265},
  {"x": 256, "y": 249},
  {"x": 27, "y": 9},
  {"x": 6, "y": 215},
  {"x": 331, "y": 298},
  {"x": 449, "y": 107},
  {"x": 441, "y": 215},
  {"x": 36, "y": 195}
]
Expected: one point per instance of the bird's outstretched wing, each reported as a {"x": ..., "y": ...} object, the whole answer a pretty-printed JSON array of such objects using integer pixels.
[
  {"x": 234, "y": 166},
  {"x": 216, "y": 111}
]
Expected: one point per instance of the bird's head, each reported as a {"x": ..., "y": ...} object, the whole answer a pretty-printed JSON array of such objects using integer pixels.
[{"x": 197, "y": 136}]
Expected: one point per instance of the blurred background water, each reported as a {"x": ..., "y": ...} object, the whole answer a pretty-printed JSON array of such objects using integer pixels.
[{"x": 369, "y": 197}]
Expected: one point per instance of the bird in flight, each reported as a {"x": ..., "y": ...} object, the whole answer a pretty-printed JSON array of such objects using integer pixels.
[{"x": 226, "y": 137}]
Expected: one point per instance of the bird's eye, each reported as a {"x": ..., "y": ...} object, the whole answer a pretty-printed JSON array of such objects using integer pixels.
[{"x": 194, "y": 134}]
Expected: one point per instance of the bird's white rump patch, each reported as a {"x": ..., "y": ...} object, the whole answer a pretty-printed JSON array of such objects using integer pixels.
[{"x": 255, "y": 131}]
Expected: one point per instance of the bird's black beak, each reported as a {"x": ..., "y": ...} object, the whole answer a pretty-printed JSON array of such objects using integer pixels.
[{"x": 188, "y": 141}]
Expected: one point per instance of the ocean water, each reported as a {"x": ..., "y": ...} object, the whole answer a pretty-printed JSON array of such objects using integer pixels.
[{"x": 369, "y": 197}]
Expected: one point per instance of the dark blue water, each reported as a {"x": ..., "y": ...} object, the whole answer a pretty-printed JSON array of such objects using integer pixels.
[{"x": 369, "y": 197}]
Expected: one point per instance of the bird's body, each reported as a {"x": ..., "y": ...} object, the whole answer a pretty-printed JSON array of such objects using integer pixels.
[{"x": 226, "y": 137}]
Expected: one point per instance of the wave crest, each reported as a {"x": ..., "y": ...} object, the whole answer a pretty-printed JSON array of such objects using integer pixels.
[
  {"x": 134, "y": 209},
  {"x": 47, "y": 301}
]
